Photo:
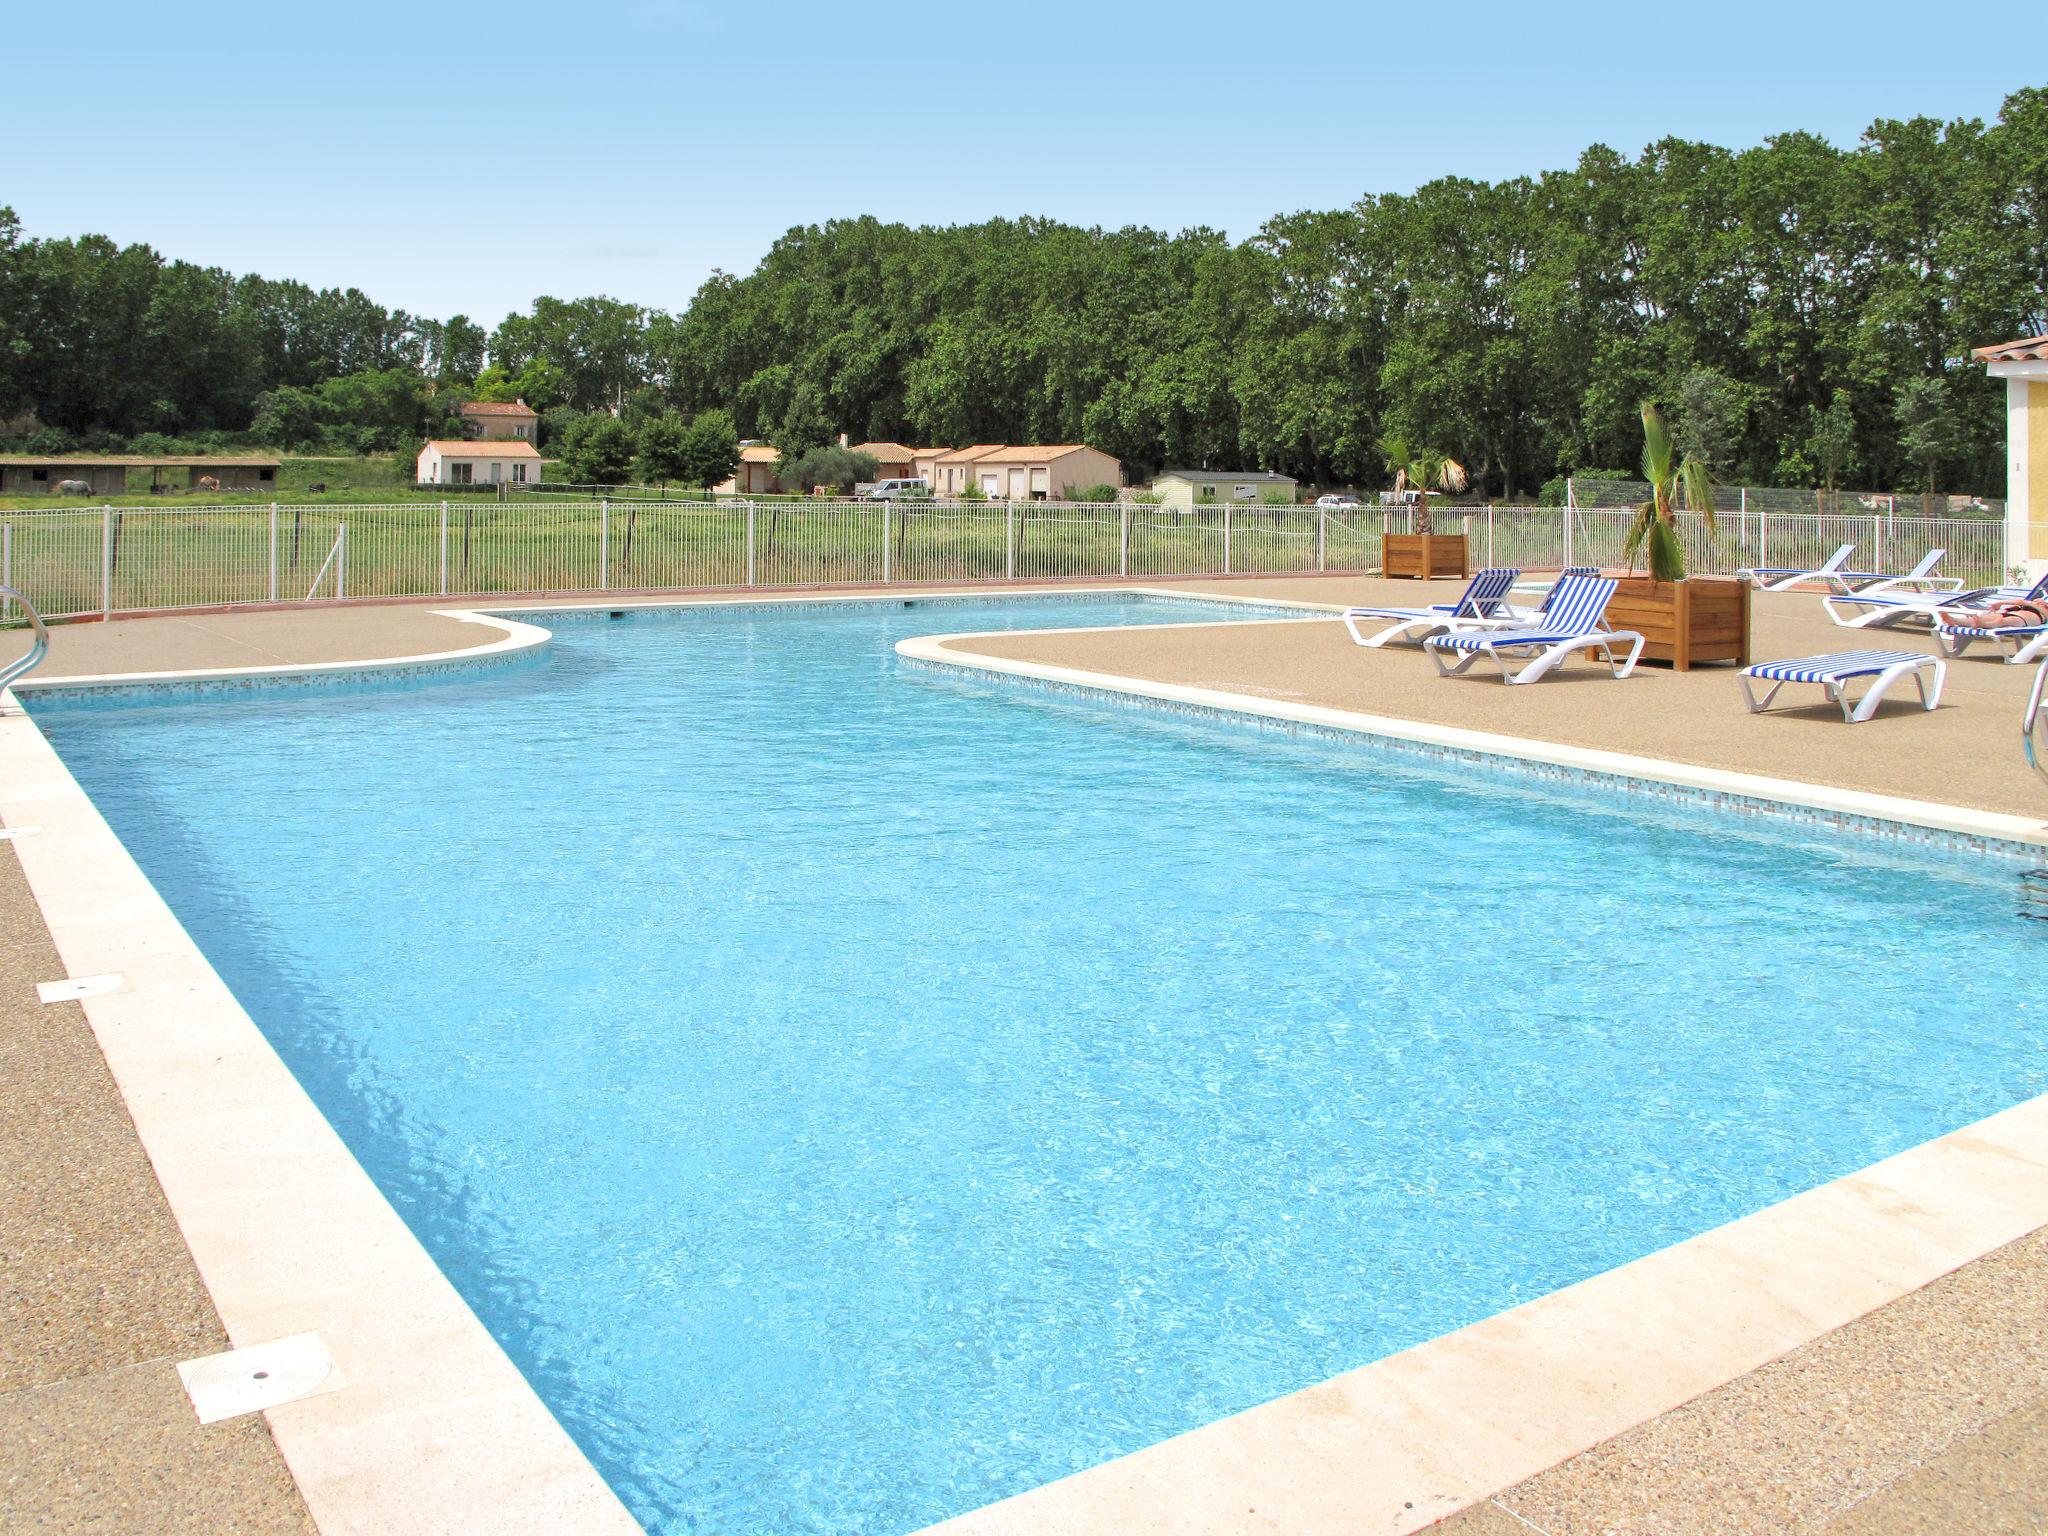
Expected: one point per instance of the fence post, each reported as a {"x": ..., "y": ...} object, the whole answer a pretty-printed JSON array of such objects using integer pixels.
[
  {"x": 1567, "y": 524},
  {"x": 886, "y": 552},
  {"x": 273, "y": 551},
  {"x": 1489, "y": 533},
  {"x": 750, "y": 544},
  {"x": 107, "y": 561},
  {"x": 341, "y": 563},
  {"x": 6, "y": 567},
  {"x": 1123, "y": 542},
  {"x": 1877, "y": 537},
  {"x": 604, "y": 543},
  {"x": 444, "y": 549},
  {"x": 1009, "y": 541},
  {"x": 1322, "y": 538},
  {"x": 1226, "y": 538},
  {"x": 1763, "y": 540}
]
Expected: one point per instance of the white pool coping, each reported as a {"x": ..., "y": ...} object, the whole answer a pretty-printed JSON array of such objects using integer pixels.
[{"x": 437, "y": 1429}]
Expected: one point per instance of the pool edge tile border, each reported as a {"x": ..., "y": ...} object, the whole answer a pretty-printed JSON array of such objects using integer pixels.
[
  {"x": 1963, "y": 827},
  {"x": 437, "y": 1429}
]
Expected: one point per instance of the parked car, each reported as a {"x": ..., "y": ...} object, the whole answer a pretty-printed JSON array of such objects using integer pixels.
[
  {"x": 1338, "y": 503},
  {"x": 892, "y": 490}
]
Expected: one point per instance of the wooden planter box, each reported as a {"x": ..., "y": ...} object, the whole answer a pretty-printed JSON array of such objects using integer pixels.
[
  {"x": 1703, "y": 618},
  {"x": 1425, "y": 555}
]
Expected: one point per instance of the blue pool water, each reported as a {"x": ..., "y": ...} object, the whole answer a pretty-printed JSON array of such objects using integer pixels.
[{"x": 854, "y": 1093}]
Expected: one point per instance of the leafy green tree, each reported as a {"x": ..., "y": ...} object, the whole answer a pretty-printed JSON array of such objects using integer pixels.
[
  {"x": 664, "y": 445},
  {"x": 1929, "y": 430},
  {"x": 836, "y": 468},
  {"x": 597, "y": 450},
  {"x": 710, "y": 449},
  {"x": 1671, "y": 476},
  {"x": 1832, "y": 444},
  {"x": 1711, "y": 418}
]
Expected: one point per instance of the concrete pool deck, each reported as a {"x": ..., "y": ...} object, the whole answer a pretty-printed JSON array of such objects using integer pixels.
[{"x": 1968, "y": 1390}]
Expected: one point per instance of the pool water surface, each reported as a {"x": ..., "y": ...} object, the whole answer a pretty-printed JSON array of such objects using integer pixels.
[{"x": 853, "y": 1093}]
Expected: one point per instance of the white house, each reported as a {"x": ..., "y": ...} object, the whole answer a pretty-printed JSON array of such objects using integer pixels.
[
  {"x": 466, "y": 462},
  {"x": 2024, "y": 367}
]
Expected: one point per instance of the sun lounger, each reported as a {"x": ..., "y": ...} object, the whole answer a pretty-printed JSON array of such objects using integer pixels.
[
  {"x": 1888, "y": 610},
  {"x": 1921, "y": 578},
  {"x": 1836, "y": 671},
  {"x": 1781, "y": 578},
  {"x": 1526, "y": 616},
  {"x": 1484, "y": 601},
  {"x": 2022, "y": 642},
  {"x": 1575, "y": 611}
]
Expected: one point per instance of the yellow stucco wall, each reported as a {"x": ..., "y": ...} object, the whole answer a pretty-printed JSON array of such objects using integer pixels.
[{"x": 2037, "y": 471}]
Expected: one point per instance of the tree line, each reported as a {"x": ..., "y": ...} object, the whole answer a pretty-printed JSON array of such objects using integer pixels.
[{"x": 1803, "y": 311}]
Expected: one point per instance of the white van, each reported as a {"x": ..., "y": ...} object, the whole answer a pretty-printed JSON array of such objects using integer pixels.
[{"x": 892, "y": 490}]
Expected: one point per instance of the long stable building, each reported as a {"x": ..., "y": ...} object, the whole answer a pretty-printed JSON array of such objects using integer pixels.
[{"x": 34, "y": 474}]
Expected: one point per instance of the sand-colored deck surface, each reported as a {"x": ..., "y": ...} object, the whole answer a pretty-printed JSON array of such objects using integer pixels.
[
  {"x": 1928, "y": 1415},
  {"x": 98, "y": 1298}
]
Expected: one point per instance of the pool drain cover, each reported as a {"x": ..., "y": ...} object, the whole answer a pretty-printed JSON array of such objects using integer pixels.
[
  {"x": 72, "y": 988},
  {"x": 261, "y": 1376}
]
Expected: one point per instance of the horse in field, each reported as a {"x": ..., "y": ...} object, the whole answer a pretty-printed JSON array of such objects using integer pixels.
[
  {"x": 73, "y": 488},
  {"x": 207, "y": 483}
]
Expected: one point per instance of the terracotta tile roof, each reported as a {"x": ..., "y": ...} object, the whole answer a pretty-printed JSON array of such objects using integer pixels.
[
  {"x": 1031, "y": 453},
  {"x": 484, "y": 448},
  {"x": 886, "y": 450},
  {"x": 498, "y": 408},
  {"x": 970, "y": 455},
  {"x": 2034, "y": 349},
  {"x": 759, "y": 453}
]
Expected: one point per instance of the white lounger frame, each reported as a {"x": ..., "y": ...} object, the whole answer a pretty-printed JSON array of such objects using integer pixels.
[
  {"x": 1545, "y": 657},
  {"x": 1838, "y": 687}
]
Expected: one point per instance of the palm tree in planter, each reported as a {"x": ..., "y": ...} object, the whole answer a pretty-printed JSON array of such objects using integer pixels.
[
  {"x": 1682, "y": 621},
  {"x": 1669, "y": 477},
  {"x": 1422, "y": 471}
]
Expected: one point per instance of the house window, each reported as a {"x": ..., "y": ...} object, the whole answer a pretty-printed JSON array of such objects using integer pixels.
[
  {"x": 1205, "y": 493},
  {"x": 39, "y": 474},
  {"x": 519, "y": 430},
  {"x": 266, "y": 474},
  {"x": 519, "y": 472},
  {"x": 461, "y": 474}
]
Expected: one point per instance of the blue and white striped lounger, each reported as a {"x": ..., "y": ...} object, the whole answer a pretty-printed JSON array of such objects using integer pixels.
[
  {"x": 1835, "y": 672},
  {"x": 2024, "y": 642},
  {"x": 1577, "y": 612},
  {"x": 1524, "y": 617},
  {"x": 1484, "y": 601}
]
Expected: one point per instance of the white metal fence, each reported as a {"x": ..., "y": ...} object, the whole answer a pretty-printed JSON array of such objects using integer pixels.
[{"x": 106, "y": 560}]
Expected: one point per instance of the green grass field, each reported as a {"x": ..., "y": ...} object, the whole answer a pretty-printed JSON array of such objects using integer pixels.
[
  {"x": 370, "y": 478},
  {"x": 168, "y": 557}
]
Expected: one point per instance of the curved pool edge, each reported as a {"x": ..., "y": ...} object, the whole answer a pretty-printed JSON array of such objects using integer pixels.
[
  {"x": 515, "y": 639},
  {"x": 435, "y": 1428}
]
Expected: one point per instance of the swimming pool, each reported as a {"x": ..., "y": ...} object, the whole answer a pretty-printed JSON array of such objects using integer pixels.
[{"x": 853, "y": 1094}]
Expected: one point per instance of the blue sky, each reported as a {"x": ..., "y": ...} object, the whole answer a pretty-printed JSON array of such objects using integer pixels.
[{"x": 465, "y": 158}]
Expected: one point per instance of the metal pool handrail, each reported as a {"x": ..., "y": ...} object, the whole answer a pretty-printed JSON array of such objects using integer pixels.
[
  {"x": 39, "y": 647},
  {"x": 2035, "y": 722}
]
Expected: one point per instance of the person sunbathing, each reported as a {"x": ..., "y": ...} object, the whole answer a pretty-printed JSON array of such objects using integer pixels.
[{"x": 2003, "y": 613}]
